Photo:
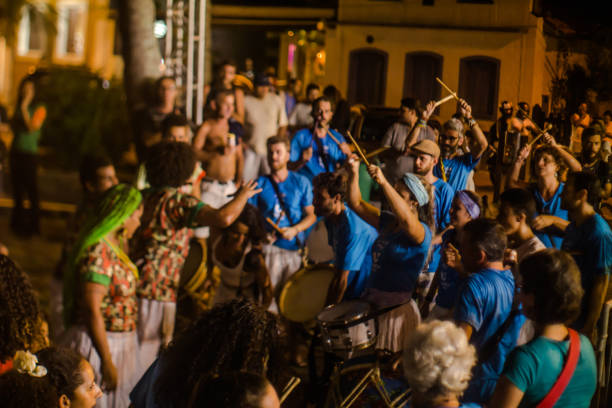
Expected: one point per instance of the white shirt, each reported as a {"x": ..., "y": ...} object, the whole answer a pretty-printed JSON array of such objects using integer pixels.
[{"x": 262, "y": 119}]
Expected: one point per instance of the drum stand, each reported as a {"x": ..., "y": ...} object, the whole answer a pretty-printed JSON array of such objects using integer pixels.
[{"x": 372, "y": 376}]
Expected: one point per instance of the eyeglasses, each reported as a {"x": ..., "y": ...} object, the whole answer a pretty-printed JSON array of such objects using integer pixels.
[{"x": 449, "y": 138}]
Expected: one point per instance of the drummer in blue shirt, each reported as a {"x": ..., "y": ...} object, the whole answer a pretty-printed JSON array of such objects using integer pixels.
[
  {"x": 455, "y": 168},
  {"x": 350, "y": 237},
  {"x": 320, "y": 149},
  {"x": 400, "y": 251},
  {"x": 484, "y": 304},
  {"x": 551, "y": 220},
  {"x": 286, "y": 200},
  {"x": 589, "y": 240}
]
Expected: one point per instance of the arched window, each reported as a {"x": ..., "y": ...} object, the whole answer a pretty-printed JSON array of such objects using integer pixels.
[
  {"x": 479, "y": 85},
  {"x": 420, "y": 72},
  {"x": 367, "y": 76}
]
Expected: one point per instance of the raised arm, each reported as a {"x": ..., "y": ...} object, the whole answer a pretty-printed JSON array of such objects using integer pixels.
[
  {"x": 479, "y": 136},
  {"x": 239, "y": 112},
  {"x": 514, "y": 179},
  {"x": 421, "y": 125},
  {"x": 406, "y": 216},
  {"x": 367, "y": 212},
  {"x": 570, "y": 161},
  {"x": 226, "y": 215}
]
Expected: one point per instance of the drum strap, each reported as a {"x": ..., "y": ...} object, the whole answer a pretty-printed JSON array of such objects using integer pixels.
[{"x": 285, "y": 209}]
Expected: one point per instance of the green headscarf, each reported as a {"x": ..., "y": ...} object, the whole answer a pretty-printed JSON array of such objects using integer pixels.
[{"x": 116, "y": 206}]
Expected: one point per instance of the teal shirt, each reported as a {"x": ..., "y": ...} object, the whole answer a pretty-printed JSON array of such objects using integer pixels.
[
  {"x": 27, "y": 141},
  {"x": 534, "y": 367}
]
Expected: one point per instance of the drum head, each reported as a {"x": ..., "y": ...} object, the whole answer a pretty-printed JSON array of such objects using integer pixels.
[
  {"x": 344, "y": 312},
  {"x": 304, "y": 294}
]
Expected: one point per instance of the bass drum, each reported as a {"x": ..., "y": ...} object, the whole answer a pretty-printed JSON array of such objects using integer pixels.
[{"x": 304, "y": 294}]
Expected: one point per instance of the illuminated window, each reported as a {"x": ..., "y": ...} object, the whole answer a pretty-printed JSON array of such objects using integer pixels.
[
  {"x": 71, "y": 28},
  {"x": 31, "y": 36},
  {"x": 479, "y": 85}
]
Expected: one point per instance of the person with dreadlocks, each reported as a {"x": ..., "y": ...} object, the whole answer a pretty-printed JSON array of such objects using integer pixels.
[
  {"x": 161, "y": 244},
  {"x": 100, "y": 306},
  {"x": 233, "y": 336},
  {"x": 20, "y": 316}
]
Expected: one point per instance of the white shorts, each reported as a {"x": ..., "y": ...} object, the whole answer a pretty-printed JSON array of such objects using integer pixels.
[
  {"x": 216, "y": 195},
  {"x": 281, "y": 264}
]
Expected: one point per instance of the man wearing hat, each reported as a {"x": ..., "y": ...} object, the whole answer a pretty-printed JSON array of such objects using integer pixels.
[
  {"x": 264, "y": 116},
  {"x": 426, "y": 155}
]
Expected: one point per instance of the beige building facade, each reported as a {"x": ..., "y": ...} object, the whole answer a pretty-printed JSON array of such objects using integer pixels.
[{"x": 488, "y": 52}]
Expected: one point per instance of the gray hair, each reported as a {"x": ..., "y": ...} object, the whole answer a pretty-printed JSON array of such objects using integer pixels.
[
  {"x": 454, "y": 124},
  {"x": 438, "y": 359}
]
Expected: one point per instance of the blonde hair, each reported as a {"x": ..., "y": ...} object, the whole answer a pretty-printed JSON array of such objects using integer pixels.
[{"x": 438, "y": 359}]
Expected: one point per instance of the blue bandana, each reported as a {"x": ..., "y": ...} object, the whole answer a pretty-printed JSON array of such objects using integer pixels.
[{"x": 416, "y": 188}]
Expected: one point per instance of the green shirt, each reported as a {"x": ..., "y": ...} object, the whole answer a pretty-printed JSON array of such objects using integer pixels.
[
  {"x": 534, "y": 368},
  {"x": 27, "y": 141}
]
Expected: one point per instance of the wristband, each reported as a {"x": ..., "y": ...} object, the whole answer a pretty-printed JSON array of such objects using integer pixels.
[
  {"x": 422, "y": 123},
  {"x": 471, "y": 122}
]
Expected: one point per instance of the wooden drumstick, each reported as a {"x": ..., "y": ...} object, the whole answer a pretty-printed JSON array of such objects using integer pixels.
[
  {"x": 542, "y": 133},
  {"x": 363, "y": 157},
  {"x": 377, "y": 152},
  {"x": 273, "y": 224},
  {"x": 445, "y": 99},
  {"x": 447, "y": 88},
  {"x": 293, "y": 382},
  {"x": 333, "y": 137}
]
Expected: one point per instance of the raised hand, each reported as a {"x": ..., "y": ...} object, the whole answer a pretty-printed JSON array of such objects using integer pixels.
[
  {"x": 352, "y": 164},
  {"x": 428, "y": 111},
  {"x": 465, "y": 109},
  {"x": 524, "y": 153},
  {"x": 249, "y": 189},
  {"x": 376, "y": 173}
]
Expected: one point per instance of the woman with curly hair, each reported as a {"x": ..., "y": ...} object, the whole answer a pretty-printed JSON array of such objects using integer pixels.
[
  {"x": 20, "y": 317},
  {"x": 161, "y": 244},
  {"x": 233, "y": 336},
  {"x": 438, "y": 360},
  {"x": 100, "y": 304},
  {"x": 399, "y": 253},
  {"x": 19, "y": 390},
  {"x": 72, "y": 377},
  {"x": 547, "y": 164},
  {"x": 551, "y": 294}
]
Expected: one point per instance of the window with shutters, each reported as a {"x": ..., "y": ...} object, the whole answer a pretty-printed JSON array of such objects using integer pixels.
[
  {"x": 479, "y": 85},
  {"x": 367, "y": 76},
  {"x": 420, "y": 72}
]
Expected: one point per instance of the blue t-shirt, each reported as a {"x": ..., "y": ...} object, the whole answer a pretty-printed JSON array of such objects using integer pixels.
[
  {"x": 351, "y": 238},
  {"x": 485, "y": 302},
  {"x": 443, "y": 199},
  {"x": 397, "y": 261},
  {"x": 449, "y": 280},
  {"x": 332, "y": 154},
  {"x": 551, "y": 236},
  {"x": 591, "y": 246},
  {"x": 457, "y": 170},
  {"x": 535, "y": 367},
  {"x": 296, "y": 192}
]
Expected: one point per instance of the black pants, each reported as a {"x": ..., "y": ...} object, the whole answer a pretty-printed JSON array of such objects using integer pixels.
[{"x": 23, "y": 177}]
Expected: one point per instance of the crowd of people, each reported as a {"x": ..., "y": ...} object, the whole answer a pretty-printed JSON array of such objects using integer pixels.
[{"x": 483, "y": 301}]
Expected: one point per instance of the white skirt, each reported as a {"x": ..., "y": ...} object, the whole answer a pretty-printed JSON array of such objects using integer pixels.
[
  {"x": 155, "y": 328},
  {"x": 395, "y": 326},
  {"x": 123, "y": 347}
]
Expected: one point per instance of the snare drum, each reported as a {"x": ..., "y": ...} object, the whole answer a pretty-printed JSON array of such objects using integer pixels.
[
  {"x": 304, "y": 294},
  {"x": 346, "y": 327}
]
